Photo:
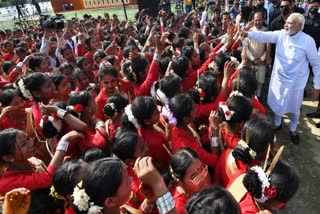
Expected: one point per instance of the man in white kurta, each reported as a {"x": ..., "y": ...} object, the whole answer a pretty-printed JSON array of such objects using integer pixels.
[{"x": 294, "y": 51}]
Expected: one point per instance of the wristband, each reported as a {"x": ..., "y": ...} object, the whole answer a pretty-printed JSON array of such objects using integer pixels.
[
  {"x": 223, "y": 49},
  {"x": 157, "y": 57},
  {"x": 165, "y": 203},
  {"x": 20, "y": 65},
  {"x": 61, "y": 113},
  {"x": 214, "y": 141},
  {"x": 62, "y": 146}
]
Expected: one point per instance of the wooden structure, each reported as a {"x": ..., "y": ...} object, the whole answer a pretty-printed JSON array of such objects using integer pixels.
[{"x": 69, "y": 5}]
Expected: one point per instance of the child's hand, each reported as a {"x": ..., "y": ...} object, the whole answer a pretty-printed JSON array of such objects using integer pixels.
[{"x": 17, "y": 201}]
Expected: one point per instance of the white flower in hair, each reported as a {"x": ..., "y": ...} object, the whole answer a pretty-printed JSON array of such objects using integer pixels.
[
  {"x": 80, "y": 198},
  {"x": 94, "y": 209},
  {"x": 25, "y": 92},
  {"x": 252, "y": 153},
  {"x": 131, "y": 118},
  {"x": 265, "y": 183},
  {"x": 162, "y": 97}
]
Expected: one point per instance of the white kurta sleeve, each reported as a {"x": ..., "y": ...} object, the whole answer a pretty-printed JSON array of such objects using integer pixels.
[
  {"x": 314, "y": 59},
  {"x": 264, "y": 37}
]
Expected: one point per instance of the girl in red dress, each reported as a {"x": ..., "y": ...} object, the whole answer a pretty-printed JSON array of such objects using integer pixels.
[
  {"x": 17, "y": 150},
  {"x": 143, "y": 114},
  {"x": 114, "y": 110},
  {"x": 81, "y": 79},
  {"x": 86, "y": 65},
  {"x": 235, "y": 112},
  {"x": 91, "y": 47},
  {"x": 245, "y": 154},
  {"x": 83, "y": 106},
  {"x": 190, "y": 174},
  {"x": 256, "y": 190},
  {"x": 182, "y": 112},
  {"x": 64, "y": 181},
  {"x": 12, "y": 114},
  {"x": 108, "y": 79},
  {"x": 63, "y": 89}
]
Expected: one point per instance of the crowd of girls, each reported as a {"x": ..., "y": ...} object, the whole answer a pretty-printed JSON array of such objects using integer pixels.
[{"x": 122, "y": 117}]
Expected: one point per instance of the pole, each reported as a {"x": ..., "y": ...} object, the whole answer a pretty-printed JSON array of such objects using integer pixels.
[{"x": 124, "y": 9}]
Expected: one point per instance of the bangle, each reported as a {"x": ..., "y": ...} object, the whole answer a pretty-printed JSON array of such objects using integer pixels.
[
  {"x": 61, "y": 113},
  {"x": 214, "y": 141},
  {"x": 223, "y": 49},
  {"x": 20, "y": 65},
  {"x": 165, "y": 203},
  {"x": 157, "y": 57},
  {"x": 62, "y": 146}
]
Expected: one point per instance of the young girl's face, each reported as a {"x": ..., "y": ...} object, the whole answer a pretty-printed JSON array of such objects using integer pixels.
[
  {"x": 93, "y": 45},
  {"x": 64, "y": 88},
  {"x": 18, "y": 103},
  {"x": 197, "y": 177},
  {"x": 87, "y": 65},
  {"x": 24, "y": 147},
  {"x": 83, "y": 81},
  {"x": 48, "y": 90},
  {"x": 45, "y": 66},
  {"x": 109, "y": 83}
]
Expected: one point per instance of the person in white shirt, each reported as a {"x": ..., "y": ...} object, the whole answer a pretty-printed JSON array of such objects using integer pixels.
[{"x": 294, "y": 51}]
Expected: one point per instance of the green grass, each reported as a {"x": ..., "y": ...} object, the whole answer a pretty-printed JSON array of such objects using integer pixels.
[{"x": 131, "y": 11}]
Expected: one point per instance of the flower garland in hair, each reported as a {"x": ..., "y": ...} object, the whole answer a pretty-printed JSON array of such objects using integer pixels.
[
  {"x": 55, "y": 120},
  {"x": 25, "y": 92},
  {"x": 82, "y": 201},
  {"x": 266, "y": 190},
  {"x": 227, "y": 113},
  {"x": 131, "y": 117},
  {"x": 162, "y": 97},
  {"x": 213, "y": 66},
  {"x": 113, "y": 107},
  {"x": 252, "y": 153},
  {"x": 133, "y": 74},
  {"x": 56, "y": 195},
  {"x": 235, "y": 93},
  {"x": 78, "y": 108},
  {"x": 168, "y": 115}
]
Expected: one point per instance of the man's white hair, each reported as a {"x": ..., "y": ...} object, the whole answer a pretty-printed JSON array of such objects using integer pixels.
[{"x": 300, "y": 19}]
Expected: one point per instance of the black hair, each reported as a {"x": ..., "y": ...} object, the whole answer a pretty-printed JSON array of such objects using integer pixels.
[
  {"x": 81, "y": 60},
  {"x": 106, "y": 69},
  {"x": 94, "y": 154},
  {"x": 101, "y": 172},
  {"x": 247, "y": 85},
  {"x": 57, "y": 79},
  {"x": 170, "y": 85},
  {"x": 283, "y": 178},
  {"x": 125, "y": 146},
  {"x": 115, "y": 104},
  {"x": 142, "y": 109},
  {"x": 242, "y": 108},
  {"x": 178, "y": 42},
  {"x": 63, "y": 179},
  {"x": 6, "y": 66},
  {"x": 181, "y": 106},
  {"x": 43, "y": 202},
  {"x": 7, "y": 96},
  {"x": 181, "y": 161},
  {"x": 128, "y": 49},
  {"x": 77, "y": 72},
  {"x": 33, "y": 82},
  {"x": 213, "y": 200},
  {"x": 111, "y": 59},
  {"x": 64, "y": 48},
  {"x": 132, "y": 69},
  {"x": 180, "y": 66},
  {"x": 220, "y": 60},
  {"x": 99, "y": 54},
  {"x": 8, "y": 141},
  {"x": 163, "y": 64},
  {"x": 184, "y": 32},
  {"x": 261, "y": 136},
  {"x": 208, "y": 83},
  {"x": 87, "y": 42},
  {"x": 82, "y": 98},
  {"x": 34, "y": 62},
  {"x": 93, "y": 88},
  {"x": 187, "y": 51},
  {"x": 64, "y": 66}
]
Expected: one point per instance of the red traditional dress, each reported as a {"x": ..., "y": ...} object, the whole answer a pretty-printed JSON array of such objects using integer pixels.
[{"x": 180, "y": 200}]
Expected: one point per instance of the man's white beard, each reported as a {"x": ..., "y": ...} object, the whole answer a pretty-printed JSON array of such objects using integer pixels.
[{"x": 290, "y": 32}]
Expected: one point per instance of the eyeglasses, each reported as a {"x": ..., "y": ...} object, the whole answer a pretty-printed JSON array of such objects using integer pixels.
[{"x": 198, "y": 178}]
